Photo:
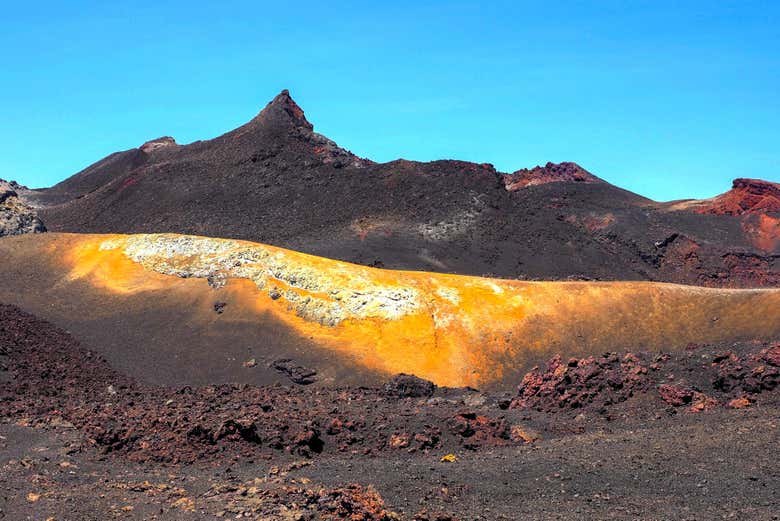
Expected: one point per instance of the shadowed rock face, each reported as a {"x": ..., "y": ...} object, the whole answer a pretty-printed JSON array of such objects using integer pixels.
[
  {"x": 16, "y": 218},
  {"x": 275, "y": 180},
  {"x": 453, "y": 330}
]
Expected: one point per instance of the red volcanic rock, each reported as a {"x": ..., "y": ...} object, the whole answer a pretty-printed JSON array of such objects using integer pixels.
[
  {"x": 751, "y": 375},
  {"x": 519, "y": 434},
  {"x": 307, "y": 442},
  {"x": 772, "y": 355},
  {"x": 702, "y": 402},
  {"x": 739, "y": 403},
  {"x": 763, "y": 231},
  {"x": 478, "y": 430},
  {"x": 356, "y": 503},
  {"x": 746, "y": 196},
  {"x": 293, "y": 500},
  {"x": 588, "y": 382},
  {"x": 549, "y": 173},
  {"x": 675, "y": 395}
]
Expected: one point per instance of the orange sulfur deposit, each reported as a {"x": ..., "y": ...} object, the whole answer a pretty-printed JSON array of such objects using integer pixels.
[{"x": 454, "y": 330}]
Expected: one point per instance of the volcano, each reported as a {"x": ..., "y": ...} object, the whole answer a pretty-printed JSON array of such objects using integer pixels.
[{"x": 275, "y": 180}]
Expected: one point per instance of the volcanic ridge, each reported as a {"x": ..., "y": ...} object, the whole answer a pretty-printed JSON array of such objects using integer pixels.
[{"x": 275, "y": 180}]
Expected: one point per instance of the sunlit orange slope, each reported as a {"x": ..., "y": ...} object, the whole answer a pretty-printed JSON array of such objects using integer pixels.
[{"x": 454, "y": 330}]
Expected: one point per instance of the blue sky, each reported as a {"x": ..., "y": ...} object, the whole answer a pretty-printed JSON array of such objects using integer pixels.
[{"x": 668, "y": 99}]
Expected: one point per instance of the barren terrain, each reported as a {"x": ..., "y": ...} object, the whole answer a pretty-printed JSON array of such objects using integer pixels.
[
  {"x": 623, "y": 436},
  {"x": 267, "y": 326}
]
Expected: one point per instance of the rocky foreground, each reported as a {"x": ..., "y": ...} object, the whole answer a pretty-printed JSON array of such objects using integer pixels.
[{"x": 689, "y": 435}]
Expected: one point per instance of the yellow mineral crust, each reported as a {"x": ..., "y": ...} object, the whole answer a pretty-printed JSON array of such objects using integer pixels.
[{"x": 454, "y": 330}]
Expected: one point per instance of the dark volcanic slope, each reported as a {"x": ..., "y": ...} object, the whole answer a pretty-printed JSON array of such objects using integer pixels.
[{"x": 275, "y": 180}]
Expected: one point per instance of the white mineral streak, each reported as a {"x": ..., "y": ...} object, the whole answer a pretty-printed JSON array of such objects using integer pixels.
[{"x": 327, "y": 296}]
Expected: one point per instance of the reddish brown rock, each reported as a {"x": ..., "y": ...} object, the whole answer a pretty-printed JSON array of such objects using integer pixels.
[
  {"x": 772, "y": 355},
  {"x": 399, "y": 441},
  {"x": 588, "y": 382},
  {"x": 702, "y": 402},
  {"x": 478, "y": 431},
  {"x": 739, "y": 403},
  {"x": 549, "y": 173},
  {"x": 676, "y": 396},
  {"x": 520, "y": 434},
  {"x": 745, "y": 196}
]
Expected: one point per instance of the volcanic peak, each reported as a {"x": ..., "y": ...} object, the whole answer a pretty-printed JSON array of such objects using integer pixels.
[
  {"x": 549, "y": 173},
  {"x": 282, "y": 111}
]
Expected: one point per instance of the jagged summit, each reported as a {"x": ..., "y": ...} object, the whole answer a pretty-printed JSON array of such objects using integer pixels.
[
  {"x": 549, "y": 173},
  {"x": 282, "y": 111},
  {"x": 282, "y": 124}
]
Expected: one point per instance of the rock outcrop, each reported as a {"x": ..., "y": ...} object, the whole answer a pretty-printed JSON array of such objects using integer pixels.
[
  {"x": 16, "y": 218},
  {"x": 747, "y": 196},
  {"x": 157, "y": 144},
  {"x": 549, "y": 173}
]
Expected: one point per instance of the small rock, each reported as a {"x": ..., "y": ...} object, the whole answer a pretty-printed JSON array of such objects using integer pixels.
[
  {"x": 308, "y": 441},
  {"x": 519, "y": 434},
  {"x": 399, "y": 441},
  {"x": 409, "y": 386},
  {"x": 675, "y": 395},
  {"x": 295, "y": 372},
  {"x": 739, "y": 403}
]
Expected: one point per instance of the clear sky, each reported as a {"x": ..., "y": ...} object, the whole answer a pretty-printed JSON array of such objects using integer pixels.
[{"x": 668, "y": 99}]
